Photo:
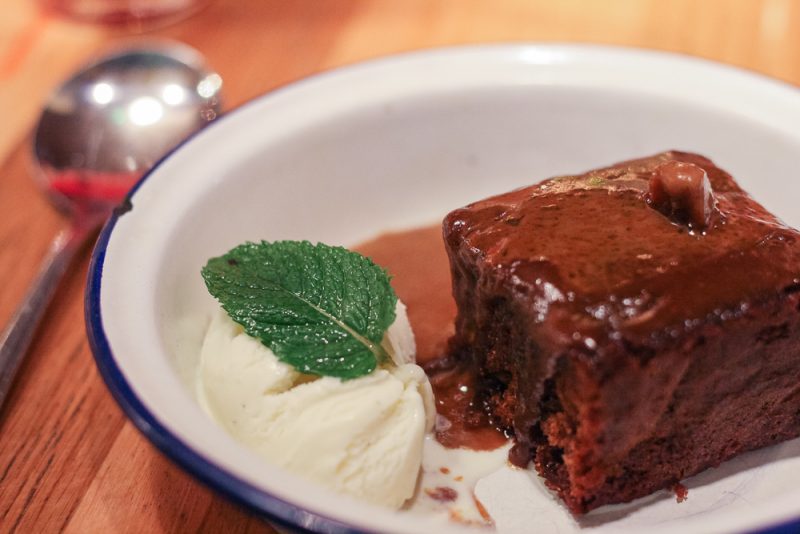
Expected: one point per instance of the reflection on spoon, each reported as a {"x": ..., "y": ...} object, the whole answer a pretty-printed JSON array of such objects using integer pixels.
[{"x": 98, "y": 134}]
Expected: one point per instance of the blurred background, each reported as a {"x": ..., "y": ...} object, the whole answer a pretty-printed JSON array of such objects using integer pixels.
[{"x": 68, "y": 458}]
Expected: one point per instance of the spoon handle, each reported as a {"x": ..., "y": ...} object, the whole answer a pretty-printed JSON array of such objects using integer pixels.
[{"x": 17, "y": 337}]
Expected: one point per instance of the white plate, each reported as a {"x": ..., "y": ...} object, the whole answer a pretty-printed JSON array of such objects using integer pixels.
[{"x": 396, "y": 143}]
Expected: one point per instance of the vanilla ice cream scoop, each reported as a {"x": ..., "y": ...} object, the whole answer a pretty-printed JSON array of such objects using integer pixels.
[{"x": 363, "y": 437}]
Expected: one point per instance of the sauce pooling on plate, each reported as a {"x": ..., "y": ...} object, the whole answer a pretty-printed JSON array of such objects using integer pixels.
[{"x": 420, "y": 271}]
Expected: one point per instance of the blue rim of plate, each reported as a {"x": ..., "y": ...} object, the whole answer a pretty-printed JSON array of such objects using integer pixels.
[{"x": 258, "y": 501}]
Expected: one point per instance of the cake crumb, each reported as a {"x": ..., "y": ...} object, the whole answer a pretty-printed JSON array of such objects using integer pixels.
[
  {"x": 442, "y": 494},
  {"x": 444, "y": 470},
  {"x": 681, "y": 492},
  {"x": 456, "y": 516},
  {"x": 482, "y": 510},
  {"x": 459, "y": 478}
]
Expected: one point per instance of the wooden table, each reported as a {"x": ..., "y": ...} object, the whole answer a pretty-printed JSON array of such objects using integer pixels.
[{"x": 69, "y": 460}]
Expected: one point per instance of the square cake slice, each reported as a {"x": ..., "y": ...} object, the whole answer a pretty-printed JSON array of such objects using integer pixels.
[{"x": 632, "y": 326}]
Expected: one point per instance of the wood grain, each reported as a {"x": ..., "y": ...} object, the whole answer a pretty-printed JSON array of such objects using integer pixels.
[{"x": 68, "y": 458}]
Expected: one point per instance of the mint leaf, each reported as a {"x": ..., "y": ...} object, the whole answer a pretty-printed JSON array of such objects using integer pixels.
[{"x": 319, "y": 308}]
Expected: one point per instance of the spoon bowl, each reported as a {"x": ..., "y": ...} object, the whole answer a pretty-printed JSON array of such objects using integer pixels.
[
  {"x": 108, "y": 124},
  {"x": 97, "y": 135}
]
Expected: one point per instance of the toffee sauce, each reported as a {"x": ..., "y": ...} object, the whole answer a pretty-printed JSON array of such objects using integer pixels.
[{"x": 417, "y": 261}]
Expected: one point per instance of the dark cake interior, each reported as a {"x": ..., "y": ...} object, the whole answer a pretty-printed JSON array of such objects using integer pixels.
[{"x": 632, "y": 326}]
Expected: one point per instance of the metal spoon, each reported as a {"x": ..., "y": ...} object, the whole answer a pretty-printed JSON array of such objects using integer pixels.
[{"x": 97, "y": 135}]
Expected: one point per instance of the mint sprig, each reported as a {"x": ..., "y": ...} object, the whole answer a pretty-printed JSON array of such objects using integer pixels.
[{"x": 322, "y": 309}]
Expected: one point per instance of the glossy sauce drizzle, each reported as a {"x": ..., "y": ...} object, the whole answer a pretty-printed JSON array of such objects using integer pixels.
[{"x": 418, "y": 263}]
